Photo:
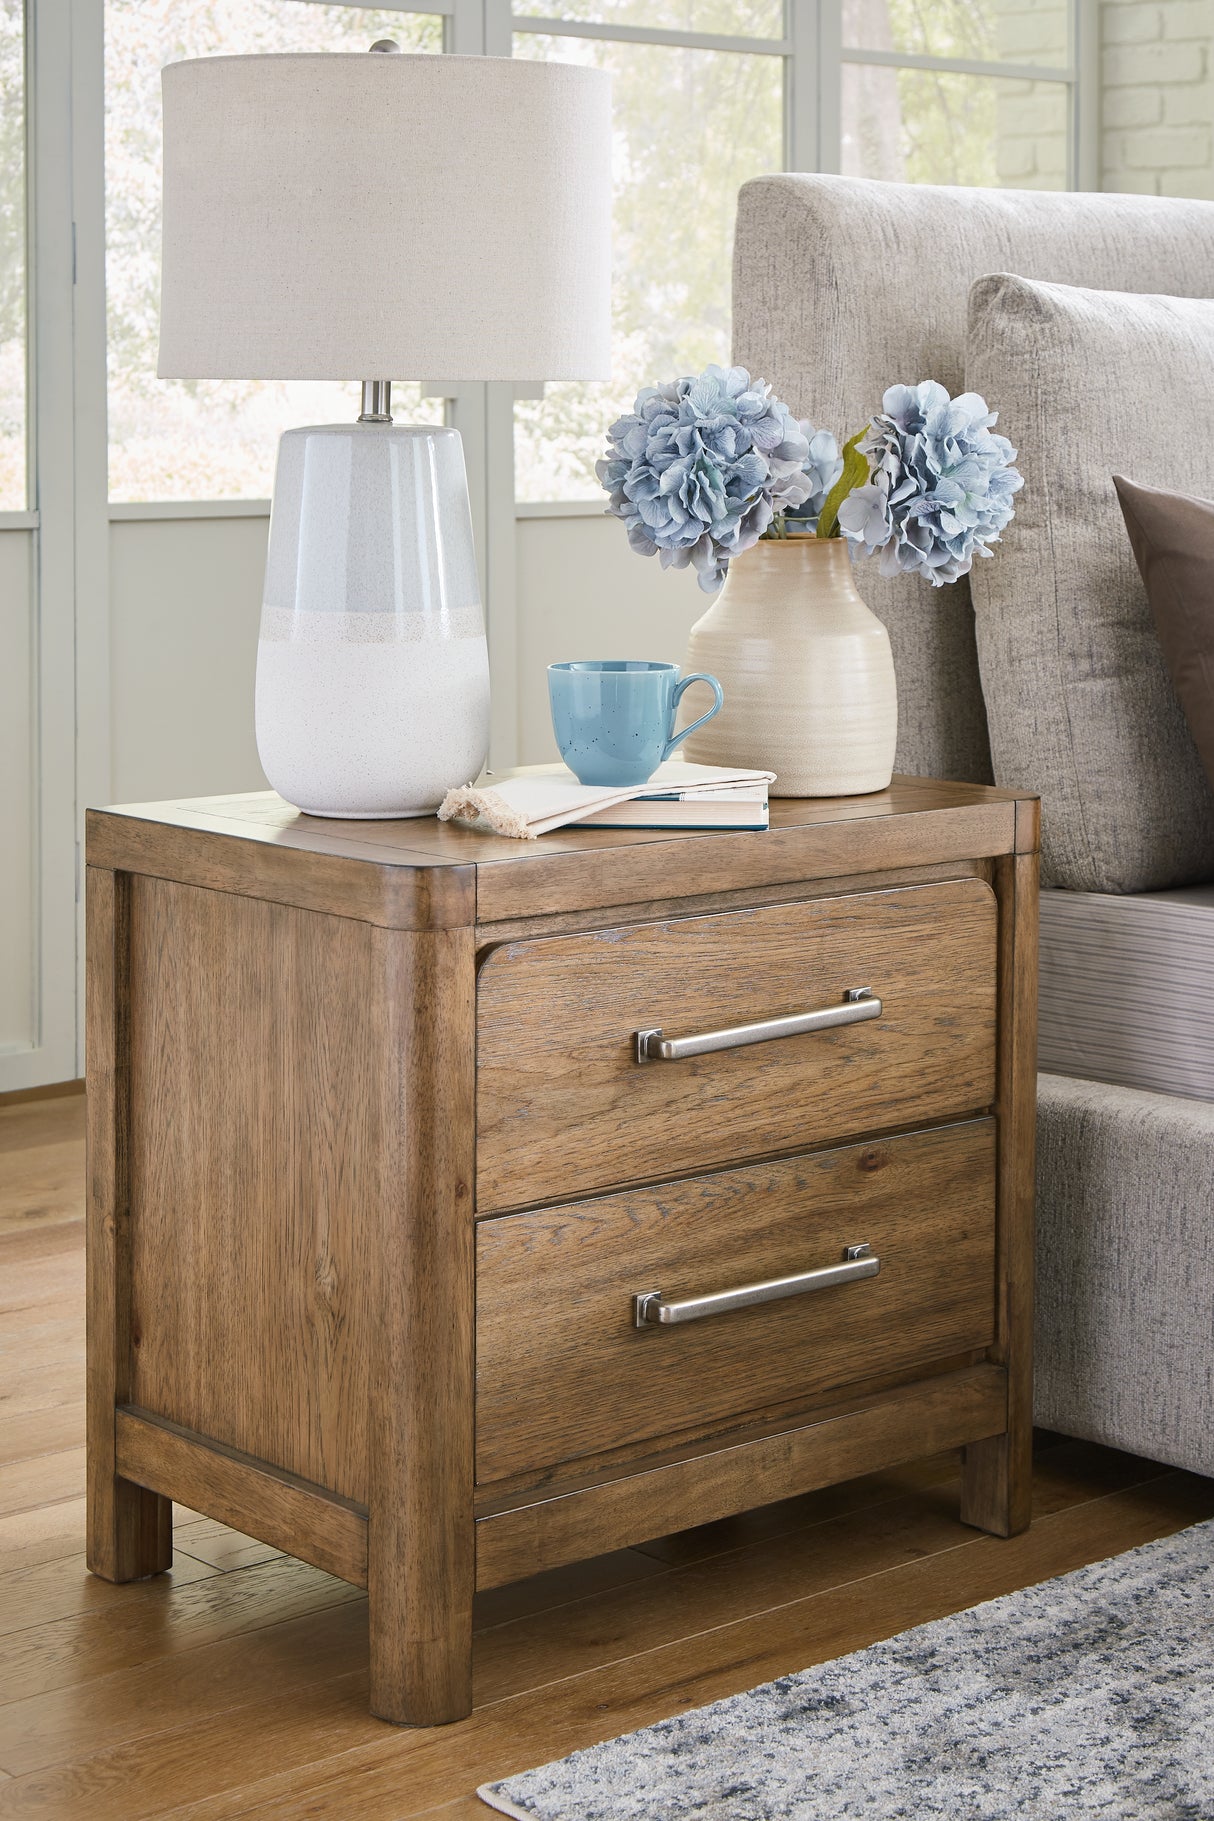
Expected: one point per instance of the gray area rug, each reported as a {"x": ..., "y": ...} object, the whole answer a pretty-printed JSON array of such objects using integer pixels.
[{"x": 1092, "y": 1694}]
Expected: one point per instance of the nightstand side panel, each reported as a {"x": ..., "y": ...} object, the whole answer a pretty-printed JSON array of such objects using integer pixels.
[{"x": 254, "y": 1134}]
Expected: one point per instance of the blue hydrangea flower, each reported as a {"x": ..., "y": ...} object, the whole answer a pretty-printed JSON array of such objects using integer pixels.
[
  {"x": 700, "y": 466},
  {"x": 822, "y": 468},
  {"x": 941, "y": 485},
  {"x": 864, "y": 518}
]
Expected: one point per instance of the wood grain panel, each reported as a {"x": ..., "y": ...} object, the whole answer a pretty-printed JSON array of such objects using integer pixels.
[
  {"x": 425, "y": 874},
  {"x": 899, "y": 1427},
  {"x": 563, "y": 1372},
  {"x": 277, "y": 1508},
  {"x": 909, "y": 824},
  {"x": 255, "y": 1161},
  {"x": 198, "y": 844},
  {"x": 997, "y": 1489},
  {"x": 129, "y": 1528},
  {"x": 563, "y": 1106},
  {"x": 422, "y": 1549},
  {"x": 658, "y": 910}
]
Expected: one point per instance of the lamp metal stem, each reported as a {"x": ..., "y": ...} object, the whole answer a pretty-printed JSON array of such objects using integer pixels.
[{"x": 377, "y": 402}]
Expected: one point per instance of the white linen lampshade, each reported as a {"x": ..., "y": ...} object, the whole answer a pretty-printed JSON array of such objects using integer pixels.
[{"x": 372, "y": 217}]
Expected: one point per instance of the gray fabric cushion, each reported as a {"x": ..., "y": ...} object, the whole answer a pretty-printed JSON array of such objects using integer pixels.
[
  {"x": 1172, "y": 537},
  {"x": 1079, "y": 702},
  {"x": 843, "y": 287},
  {"x": 1125, "y": 1269},
  {"x": 1127, "y": 989}
]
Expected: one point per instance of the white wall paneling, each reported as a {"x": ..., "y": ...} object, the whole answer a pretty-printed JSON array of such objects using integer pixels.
[
  {"x": 185, "y": 604},
  {"x": 39, "y": 612},
  {"x": 18, "y": 833}
]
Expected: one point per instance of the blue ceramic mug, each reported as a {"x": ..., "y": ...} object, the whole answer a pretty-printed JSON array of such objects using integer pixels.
[{"x": 614, "y": 717}]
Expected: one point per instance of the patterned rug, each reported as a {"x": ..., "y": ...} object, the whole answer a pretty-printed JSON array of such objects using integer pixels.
[{"x": 1092, "y": 1694}]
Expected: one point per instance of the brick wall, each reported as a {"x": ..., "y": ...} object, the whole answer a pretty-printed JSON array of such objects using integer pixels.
[
  {"x": 1157, "y": 101},
  {"x": 1032, "y": 130},
  {"x": 1157, "y": 96}
]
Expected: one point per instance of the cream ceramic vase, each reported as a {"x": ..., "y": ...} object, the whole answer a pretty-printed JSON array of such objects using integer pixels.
[{"x": 806, "y": 669}]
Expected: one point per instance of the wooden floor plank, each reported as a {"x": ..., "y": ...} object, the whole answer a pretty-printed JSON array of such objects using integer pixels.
[
  {"x": 202, "y": 1772},
  {"x": 50, "y": 1119},
  {"x": 42, "y": 1359},
  {"x": 559, "y": 1587},
  {"x": 135, "y": 1712},
  {"x": 807, "y": 1508},
  {"x": 41, "y": 1597},
  {"x": 47, "y": 1533},
  {"x": 49, "y": 1284},
  {"x": 27, "y": 1485},
  {"x": 117, "y": 1629},
  {"x": 464, "y": 1808},
  {"x": 41, "y": 1164},
  {"x": 207, "y": 1540},
  {"x": 26, "y": 1434}
]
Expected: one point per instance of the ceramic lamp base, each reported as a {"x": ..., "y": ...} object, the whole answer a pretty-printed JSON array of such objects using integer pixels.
[{"x": 372, "y": 666}]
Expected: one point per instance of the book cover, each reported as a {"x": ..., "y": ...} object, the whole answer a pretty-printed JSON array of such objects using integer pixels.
[{"x": 535, "y": 799}]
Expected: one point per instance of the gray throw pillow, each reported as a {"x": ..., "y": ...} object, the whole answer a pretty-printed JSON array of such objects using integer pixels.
[
  {"x": 1172, "y": 537},
  {"x": 1078, "y": 696}
]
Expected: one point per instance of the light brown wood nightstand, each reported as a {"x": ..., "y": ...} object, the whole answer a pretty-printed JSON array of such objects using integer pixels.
[{"x": 460, "y": 1207}]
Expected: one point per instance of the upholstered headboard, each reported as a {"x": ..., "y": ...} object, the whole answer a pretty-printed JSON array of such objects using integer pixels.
[{"x": 843, "y": 287}]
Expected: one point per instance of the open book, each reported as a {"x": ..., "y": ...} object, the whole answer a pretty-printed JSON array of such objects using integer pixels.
[{"x": 535, "y": 799}]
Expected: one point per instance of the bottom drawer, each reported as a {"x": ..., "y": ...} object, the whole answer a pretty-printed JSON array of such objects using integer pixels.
[{"x": 564, "y": 1371}]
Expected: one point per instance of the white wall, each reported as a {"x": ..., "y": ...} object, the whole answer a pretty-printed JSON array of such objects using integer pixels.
[
  {"x": 18, "y": 947},
  {"x": 1157, "y": 74},
  {"x": 582, "y": 593},
  {"x": 185, "y": 599}
]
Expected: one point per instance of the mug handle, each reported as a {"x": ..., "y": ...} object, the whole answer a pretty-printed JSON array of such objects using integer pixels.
[{"x": 697, "y": 676}]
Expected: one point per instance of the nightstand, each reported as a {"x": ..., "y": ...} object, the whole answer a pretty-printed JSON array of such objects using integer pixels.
[{"x": 460, "y": 1207}]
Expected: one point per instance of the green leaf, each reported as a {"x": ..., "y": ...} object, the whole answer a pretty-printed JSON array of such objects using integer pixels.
[{"x": 855, "y": 473}]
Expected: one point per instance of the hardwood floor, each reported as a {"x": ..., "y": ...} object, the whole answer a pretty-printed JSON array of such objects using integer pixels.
[{"x": 237, "y": 1686}]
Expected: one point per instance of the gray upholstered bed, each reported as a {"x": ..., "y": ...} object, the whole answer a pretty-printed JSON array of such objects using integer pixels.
[{"x": 842, "y": 287}]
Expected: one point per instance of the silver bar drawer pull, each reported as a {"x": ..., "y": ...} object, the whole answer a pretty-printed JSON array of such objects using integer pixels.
[
  {"x": 649, "y": 1310},
  {"x": 857, "y": 1006}
]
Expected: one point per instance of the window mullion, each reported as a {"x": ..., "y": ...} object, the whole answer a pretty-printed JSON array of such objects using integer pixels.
[
  {"x": 49, "y": 265},
  {"x": 1084, "y": 172},
  {"x": 484, "y": 416},
  {"x": 803, "y": 83},
  {"x": 830, "y": 79}
]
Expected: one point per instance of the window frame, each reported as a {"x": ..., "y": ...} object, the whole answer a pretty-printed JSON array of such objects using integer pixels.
[{"x": 814, "y": 54}]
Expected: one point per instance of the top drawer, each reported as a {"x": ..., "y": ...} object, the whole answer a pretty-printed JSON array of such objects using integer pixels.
[{"x": 563, "y": 1105}]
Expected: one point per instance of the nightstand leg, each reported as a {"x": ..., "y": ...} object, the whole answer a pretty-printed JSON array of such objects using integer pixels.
[
  {"x": 997, "y": 1482},
  {"x": 129, "y": 1530},
  {"x": 421, "y": 1538}
]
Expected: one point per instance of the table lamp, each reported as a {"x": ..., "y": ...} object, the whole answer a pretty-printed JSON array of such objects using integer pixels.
[{"x": 352, "y": 217}]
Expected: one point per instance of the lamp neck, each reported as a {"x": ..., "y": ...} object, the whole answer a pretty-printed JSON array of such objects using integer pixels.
[{"x": 377, "y": 402}]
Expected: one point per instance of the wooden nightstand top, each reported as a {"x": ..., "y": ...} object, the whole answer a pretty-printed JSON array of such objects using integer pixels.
[{"x": 424, "y": 874}]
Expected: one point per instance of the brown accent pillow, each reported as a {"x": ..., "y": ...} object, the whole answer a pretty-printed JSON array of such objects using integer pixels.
[{"x": 1172, "y": 536}]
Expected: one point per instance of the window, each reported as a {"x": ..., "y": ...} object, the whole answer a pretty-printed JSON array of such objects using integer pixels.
[
  {"x": 13, "y": 484},
  {"x": 924, "y": 100},
  {"x": 919, "y": 91},
  {"x": 204, "y": 439},
  {"x": 706, "y": 96},
  {"x": 692, "y": 124}
]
